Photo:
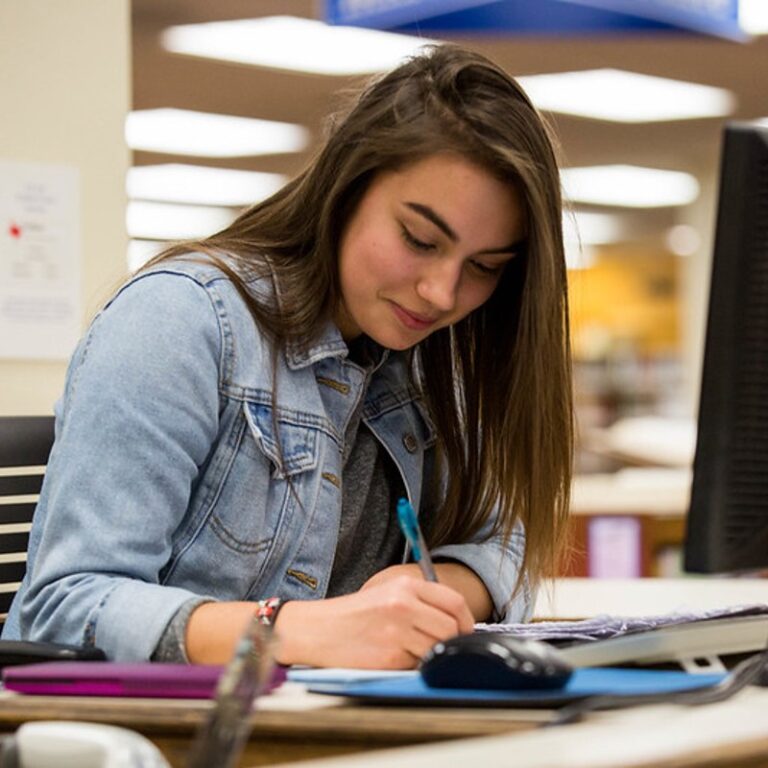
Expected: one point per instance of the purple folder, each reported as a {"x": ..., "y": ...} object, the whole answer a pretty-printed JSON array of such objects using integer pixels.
[{"x": 105, "y": 678}]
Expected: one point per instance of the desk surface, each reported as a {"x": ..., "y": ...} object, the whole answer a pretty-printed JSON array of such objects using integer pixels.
[
  {"x": 732, "y": 734},
  {"x": 585, "y": 598},
  {"x": 655, "y": 492},
  {"x": 295, "y": 729},
  {"x": 288, "y": 725}
]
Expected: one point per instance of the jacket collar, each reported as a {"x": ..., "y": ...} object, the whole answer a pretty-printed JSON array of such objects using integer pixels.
[{"x": 328, "y": 344}]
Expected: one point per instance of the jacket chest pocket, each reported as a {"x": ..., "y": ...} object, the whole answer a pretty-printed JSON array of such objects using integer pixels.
[
  {"x": 290, "y": 445},
  {"x": 256, "y": 505}
]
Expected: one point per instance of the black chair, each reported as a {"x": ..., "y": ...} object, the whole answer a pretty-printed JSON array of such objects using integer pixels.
[{"x": 25, "y": 442}]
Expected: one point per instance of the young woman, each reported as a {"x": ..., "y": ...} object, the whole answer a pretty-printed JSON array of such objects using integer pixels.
[{"x": 241, "y": 418}]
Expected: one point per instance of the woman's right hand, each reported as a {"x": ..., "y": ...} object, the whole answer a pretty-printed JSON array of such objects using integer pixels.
[{"x": 384, "y": 626}]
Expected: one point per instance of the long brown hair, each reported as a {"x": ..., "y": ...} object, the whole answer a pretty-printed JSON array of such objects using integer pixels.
[{"x": 502, "y": 373}]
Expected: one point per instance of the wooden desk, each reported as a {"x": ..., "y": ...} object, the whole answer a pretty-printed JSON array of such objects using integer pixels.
[
  {"x": 289, "y": 725},
  {"x": 327, "y": 734},
  {"x": 732, "y": 734}
]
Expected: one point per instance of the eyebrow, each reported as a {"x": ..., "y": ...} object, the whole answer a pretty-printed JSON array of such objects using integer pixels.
[{"x": 431, "y": 215}]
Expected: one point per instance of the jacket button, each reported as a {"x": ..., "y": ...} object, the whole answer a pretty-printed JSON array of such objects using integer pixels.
[{"x": 410, "y": 443}]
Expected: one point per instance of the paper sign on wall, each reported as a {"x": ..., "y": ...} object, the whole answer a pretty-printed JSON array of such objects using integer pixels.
[{"x": 40, "y": 260}]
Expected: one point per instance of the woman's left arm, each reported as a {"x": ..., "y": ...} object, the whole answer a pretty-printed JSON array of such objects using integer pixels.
[{"x": 495, "y": 561}]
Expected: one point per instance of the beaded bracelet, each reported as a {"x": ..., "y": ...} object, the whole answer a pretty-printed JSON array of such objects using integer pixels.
[{"x": 267, "y": 610}]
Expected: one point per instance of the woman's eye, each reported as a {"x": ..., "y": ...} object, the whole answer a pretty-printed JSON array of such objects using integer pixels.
[
  {"x": 414, "y": 242},
  {"x": 487, "y": 269}
]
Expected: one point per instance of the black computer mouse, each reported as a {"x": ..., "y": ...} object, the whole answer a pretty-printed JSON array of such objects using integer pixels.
[{"x": 494, "y": 660}]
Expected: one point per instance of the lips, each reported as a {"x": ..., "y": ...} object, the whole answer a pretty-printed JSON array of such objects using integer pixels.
[{"x": 413, "y": 320}]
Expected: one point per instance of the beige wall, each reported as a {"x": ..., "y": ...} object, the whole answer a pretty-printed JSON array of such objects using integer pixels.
[{"x": 65, "y": 91}]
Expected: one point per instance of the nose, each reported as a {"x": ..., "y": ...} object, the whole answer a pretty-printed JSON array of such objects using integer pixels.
[{"x": 438, "y": 284}]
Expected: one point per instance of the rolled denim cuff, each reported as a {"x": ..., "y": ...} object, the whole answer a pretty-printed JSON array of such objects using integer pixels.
[
  {"x": 134, "y": 617},
  {"x": 171, "y": 648},
  {"x": 499, "y": 574}
]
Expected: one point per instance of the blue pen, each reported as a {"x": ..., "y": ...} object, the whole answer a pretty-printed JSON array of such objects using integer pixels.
[{"x": 409, "y": 525}]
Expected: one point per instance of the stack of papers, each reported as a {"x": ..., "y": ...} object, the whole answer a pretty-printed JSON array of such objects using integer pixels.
[{"x": 698, "y": 642}]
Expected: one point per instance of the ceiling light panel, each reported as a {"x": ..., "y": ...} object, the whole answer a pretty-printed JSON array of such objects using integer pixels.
[
  {"x": 295, "y": 44},
  {"x": 165, "y": 221},
  {"x": 626, "y": 97},
  {"x": 178, "y": 183},
  {"x": 202, "y": 134},
  {"x": 588, "y": 228},
  {"x": 629, "y": 186},
  {"x": 683, "y": 239},
  {"x": 579, "y": 256}
]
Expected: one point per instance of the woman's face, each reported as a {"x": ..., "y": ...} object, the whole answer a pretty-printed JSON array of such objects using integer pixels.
[{"x": 425, "y": 246}]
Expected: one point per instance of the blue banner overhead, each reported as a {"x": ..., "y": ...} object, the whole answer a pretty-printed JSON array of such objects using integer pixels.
[{"x": 712, "y": 17}]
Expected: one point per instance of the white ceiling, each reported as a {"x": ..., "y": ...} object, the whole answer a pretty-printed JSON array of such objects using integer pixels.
[{"x": 163, "y": 79}]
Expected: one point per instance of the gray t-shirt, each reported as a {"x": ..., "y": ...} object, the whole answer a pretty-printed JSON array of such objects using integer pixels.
[{"x": 369, "y": 536}]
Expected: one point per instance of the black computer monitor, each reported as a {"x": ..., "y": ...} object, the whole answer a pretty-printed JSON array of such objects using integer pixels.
[{"x": 727, "y": 528}]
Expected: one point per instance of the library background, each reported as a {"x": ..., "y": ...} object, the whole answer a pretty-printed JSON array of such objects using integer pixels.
[{"x": 205, "y": 107}]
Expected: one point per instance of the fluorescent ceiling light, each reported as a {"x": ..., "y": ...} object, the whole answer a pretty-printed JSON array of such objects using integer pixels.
[
  {"x": 177, "y": 183},
  {"x": 629, "y": 186},
  {"x": 292, "y": 43},
  {"x": 586, "y": 228},
  {"x": 165, "y": 221},
  {"x": 201, "y": 134},
  {"x": 753, "y": 16},
  {"x": 683, "y": 239},
  {"x": 625, "y": 97},
  {"x": 579, "y": 256}
]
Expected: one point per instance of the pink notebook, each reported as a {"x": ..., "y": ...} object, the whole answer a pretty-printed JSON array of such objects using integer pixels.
[{"x": 106, "y": 678}]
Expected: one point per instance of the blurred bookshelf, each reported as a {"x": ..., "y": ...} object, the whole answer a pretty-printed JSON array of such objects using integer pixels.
[
  {"x": 635, "y": 436},
  {"x": 629, "y": 524}
]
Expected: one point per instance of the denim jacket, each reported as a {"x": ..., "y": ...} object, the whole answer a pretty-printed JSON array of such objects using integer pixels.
[{"x": 190, "y": 460}]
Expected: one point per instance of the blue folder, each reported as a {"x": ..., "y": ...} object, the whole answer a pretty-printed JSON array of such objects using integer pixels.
[{"x": 412, "y": 690}]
